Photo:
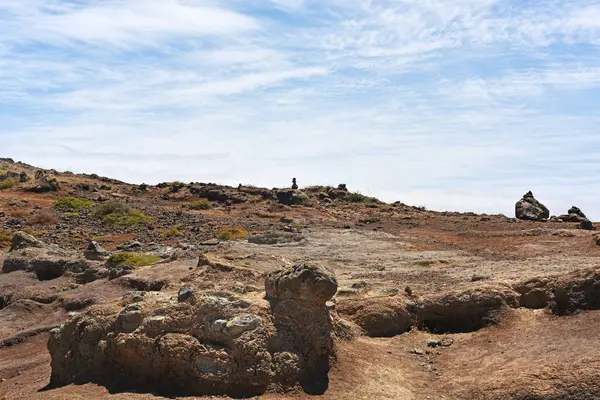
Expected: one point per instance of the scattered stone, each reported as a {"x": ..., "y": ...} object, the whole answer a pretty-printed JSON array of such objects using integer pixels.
[
  {"x": 571, "y": 218},
  {"x": 443, "y": 342},
  {"x": 587, "y": 225},
  {"x": 130, "y": 246},
  {"x": 418, "y": 351},
  {"x": 528, "y": 208},
  {"x": 210, "y": 242},
  {"x": 185, "y": 293},
  {"x": 478, "y": 277},
  {"x": 274, "y": 237},
  {"x": 95, "y": 252}
]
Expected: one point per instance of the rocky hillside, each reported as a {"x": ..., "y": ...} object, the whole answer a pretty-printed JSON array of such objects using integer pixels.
[{"x": 196, "y": 289}]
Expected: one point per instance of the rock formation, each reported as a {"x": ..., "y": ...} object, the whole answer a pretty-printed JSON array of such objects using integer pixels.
[
  {"x": 528, "y": 208},
  {"x": 198, "y": 343}
]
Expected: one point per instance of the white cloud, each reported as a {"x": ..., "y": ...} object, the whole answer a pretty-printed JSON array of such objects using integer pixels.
[{"x": 454, "y": 105}]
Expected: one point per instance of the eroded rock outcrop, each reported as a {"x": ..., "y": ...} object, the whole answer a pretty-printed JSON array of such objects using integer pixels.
[
  {"x": 463, "y": 311},
  {"x": 46, "y": 261},
  {"x": 203, "y": 343},
  {"x": 377, "y": 316},
  {"x": 528, "y": 208}
]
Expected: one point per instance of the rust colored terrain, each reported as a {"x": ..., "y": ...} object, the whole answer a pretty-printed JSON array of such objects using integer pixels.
[{"x": 429, "y": 305}]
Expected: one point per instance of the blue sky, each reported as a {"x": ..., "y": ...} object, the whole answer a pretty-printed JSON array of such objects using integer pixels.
[{"x": 456, "y": 105}]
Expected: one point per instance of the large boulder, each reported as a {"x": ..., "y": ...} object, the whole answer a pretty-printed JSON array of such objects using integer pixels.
[
  {"x": 587, "y": 225},
  {"x": 95, "y": 252},
  {"x": 309, "y": 282},
  {"x": 530, "y": 209},
  {"x": 22, "y": 240}
]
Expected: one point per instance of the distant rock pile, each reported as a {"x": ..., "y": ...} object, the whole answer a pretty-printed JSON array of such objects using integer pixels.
[
  {"x": 530, "y": 209},
  {"x": 205, "y": 342}
]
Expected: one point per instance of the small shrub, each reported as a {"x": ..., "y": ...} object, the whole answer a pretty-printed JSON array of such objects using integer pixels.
[
  {"x": 110, "y": 207},
  {"x": 359, "y": 198},
  {"x": 126, "y": 259},
  {"x": 6, "y": 184},
  {"x": 72, "y": 215},
  {"x": 116, "y": 213},
  {"x": 5, "y": 238},
  {"x": 173, "y": 232},
  {"x": 132, "y": 218},
  {"x": 236, "y": 233},
  {"x": 19, "y": 213},
  {"x": 35, "y": 232},
  {"x": 73, "y": 204},
  {"x": 202, "y": 204},
  {"x": 46, "y": 217}
]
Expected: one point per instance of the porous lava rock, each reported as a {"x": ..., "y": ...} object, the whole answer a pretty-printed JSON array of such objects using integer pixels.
[
  {"x": 218, "y": 344},
  {"x": 528, "y": 208},
  {"x": 310, "y": 282}
]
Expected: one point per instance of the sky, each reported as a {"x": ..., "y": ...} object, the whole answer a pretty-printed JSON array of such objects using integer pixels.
[{"x": 460, "y": 105}]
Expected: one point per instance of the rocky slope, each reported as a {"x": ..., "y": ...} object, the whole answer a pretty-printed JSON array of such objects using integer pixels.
[{"x": 192, "y": 289}]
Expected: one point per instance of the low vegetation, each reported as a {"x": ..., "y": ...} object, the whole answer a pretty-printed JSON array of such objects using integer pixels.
[
  {"x": 119, "y": 214},
  {"x": 126, "y": 259},
  {"x": 5, "y": 238},
  {"x": 6, "y": 184},
  {"x": 46, "y": 217},
  {"x": 173, "y": 232},
  {"x": 35, "y": 232},
  {"x": 235, "y": 233},
  {"x": 73, "y": 204},
  {"x": 357, "y": 197},
  {"x": 202, "y": 204}
]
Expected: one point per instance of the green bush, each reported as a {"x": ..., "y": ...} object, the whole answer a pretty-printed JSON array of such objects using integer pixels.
[
  {"x": 126, "y": 259},
  {"x": 6, "y": 184},
  {"x": 359, "y": 198},
  {"x": 73, "y": 204},
  {"x": 202, "y": 204},
  {"x": 173, "y": 232},
  {"x": 132, "y": 218},
  {"x": 110, "y": 207},
  {"x": 116, "y": 213},
  {"x": 235, "y": 233}
]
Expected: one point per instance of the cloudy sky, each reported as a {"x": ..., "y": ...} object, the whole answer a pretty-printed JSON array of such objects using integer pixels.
[{"x": 452, "y": 104}]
